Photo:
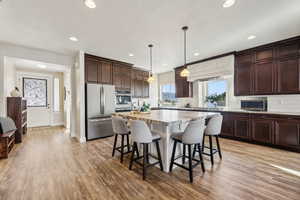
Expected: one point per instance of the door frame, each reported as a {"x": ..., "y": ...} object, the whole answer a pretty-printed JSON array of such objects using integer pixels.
[{"x": 35, "y": 75}]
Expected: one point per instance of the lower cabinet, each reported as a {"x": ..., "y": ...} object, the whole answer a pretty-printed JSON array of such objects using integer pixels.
[
  {"x": 276, "y": 130},
  {"x": 242, "y": 127},
  {"x": 227, "y": 125},
  {"x": 287, "y": 133},
  {"x": 262, "y": 130}
]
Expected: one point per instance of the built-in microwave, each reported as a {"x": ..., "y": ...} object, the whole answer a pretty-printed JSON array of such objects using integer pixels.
[
  {"x": 123, "y": 102},
  {"x": 255, "y": 105}
]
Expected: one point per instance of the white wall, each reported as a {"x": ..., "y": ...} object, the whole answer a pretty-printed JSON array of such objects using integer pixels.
[
  {"x": 57, "y": 118},
  {"x": 11, "y": 50},
  {"x": 79, "y": 96}
]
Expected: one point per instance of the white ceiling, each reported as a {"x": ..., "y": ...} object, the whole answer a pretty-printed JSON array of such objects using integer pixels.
[
  {"x": 23, "y": 64},
  {"x": 119, "y": 27}
]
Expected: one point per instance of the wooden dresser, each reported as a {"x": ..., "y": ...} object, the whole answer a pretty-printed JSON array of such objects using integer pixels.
[{"x": 17, "y": 110}]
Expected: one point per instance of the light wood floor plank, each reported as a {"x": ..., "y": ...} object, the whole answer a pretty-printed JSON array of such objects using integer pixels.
[{"x": 51, "y": 165}]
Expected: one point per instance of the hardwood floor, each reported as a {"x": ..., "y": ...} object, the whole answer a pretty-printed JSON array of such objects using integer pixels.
[{"x": 50, "y": 165}]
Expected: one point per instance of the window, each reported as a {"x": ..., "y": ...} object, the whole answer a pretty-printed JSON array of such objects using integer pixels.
[
  {"x": 216, "y": 93},
  {"x": 35, "y": 91},
  {"x": 56, "y": 95},
  {"x": 168, "y": 93}
]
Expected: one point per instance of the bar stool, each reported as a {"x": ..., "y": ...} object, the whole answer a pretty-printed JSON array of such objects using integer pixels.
[
  {"x": 192, "y": 135},
  {"x": 213, "y": 129},
  {"x": 141, "y": 134},
  {"x": 120, "y": 128}
]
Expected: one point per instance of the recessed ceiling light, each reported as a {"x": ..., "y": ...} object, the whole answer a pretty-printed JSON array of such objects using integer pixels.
[
  {"x": 74, "y": 39},
  {"x": 41, "y": 66},
  {"x": 228, "y": 3},
  {"x": 196, "y": 54},
  {"x": 131, "y": 55},
  {"x": 90, "y": 3},
  {"x": 164, "y": 64},
  {"x": 251, "y": 37}
]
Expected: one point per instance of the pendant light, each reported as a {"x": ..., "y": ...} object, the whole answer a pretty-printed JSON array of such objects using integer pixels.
[
  {"x": 151, "y": 78},
  {"x": 185, "y": 72}
]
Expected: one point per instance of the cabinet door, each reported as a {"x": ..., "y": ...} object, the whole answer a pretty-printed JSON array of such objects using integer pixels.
[
  {"x": 265, "y": 54},
  {"x": 126, "y": 78},
  {"x": 145, "y": 89},
  {"x": 287, "y": 133},
  {"x": 243, "y": 79},
  {"x": 117, "y": 80},
  {"x": 288, "y": 75},
  {"x": 242, "y": 128},
  {"x": 106, "y": 73},
  {"x": 262, "y": 130},
  {"x": 227, "y": 125},
  {"x": 243, "y": 74},
  {"x": 263, "y": 78},
  {"x": 290, "y": 49},
  {"x": 91, "y": 70}
]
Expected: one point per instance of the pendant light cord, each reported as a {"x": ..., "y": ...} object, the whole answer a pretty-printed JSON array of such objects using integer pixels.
[
  {"x": 150, "y": 46},
  {"x": 185, "y": 28}
]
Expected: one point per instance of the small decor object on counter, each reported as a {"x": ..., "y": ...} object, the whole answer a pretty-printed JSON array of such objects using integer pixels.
[
  {"x": 15, "y": 92},
  {"x": 145, "y": 108},
  {"x": 188, "y": 105}
]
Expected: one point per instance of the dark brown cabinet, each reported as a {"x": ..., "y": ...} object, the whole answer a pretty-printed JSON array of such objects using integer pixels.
[
  {"x": 275, "y": 130},
  {"x": 262, "y": 130},
  {"x": 227, "y": 125},
  {"x": 98, "y": 70},
  {"x": 140, "y": 84},
  {"x": 287, "y": 133},
  {"x": 243, "y": 74},
  {"x": 122, "y": 77},
  {"x": 183, "y": 87},
  {"x": 17, "y": 111},
  {"x": 269, "y": 69},
  {"x": 241, "y": 127},
  {"x": 263, "y": 77},
  {"x": 288, "y": 70},
  {"x": 91, "y": 70}
]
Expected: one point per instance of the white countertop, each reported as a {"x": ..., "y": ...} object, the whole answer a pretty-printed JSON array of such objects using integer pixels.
[{"x": 166, "y": 116}]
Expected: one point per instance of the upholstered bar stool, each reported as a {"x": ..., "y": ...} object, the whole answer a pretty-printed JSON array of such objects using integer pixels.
[
  {"x": 192, "y": 135},
  {"x": 120, "y": 128},
  {"x": 213, "y": 129},
  {"x": 141, "y": 134}
]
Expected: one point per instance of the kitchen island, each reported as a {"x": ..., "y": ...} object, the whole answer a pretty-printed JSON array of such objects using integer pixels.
[{"x": 166, "y": 123}]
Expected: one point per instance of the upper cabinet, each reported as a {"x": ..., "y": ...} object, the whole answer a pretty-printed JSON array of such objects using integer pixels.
[
  {"x": 98, "y": 70},
  {"x": 122, "y": 77},
  {"x": 183, "y": 87},
  {"x": 140, "y": 85},
  {"x": 269, "y": 69}
]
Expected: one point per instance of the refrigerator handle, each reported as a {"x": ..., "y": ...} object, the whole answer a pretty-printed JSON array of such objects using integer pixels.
[{"x": 102, "y": 100}]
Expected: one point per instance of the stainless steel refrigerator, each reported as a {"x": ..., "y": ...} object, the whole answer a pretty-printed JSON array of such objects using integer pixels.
[{"x": 100, "y": 104}]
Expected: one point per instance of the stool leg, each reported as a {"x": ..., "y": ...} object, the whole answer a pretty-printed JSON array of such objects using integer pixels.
[
  {"x": 201, "y": 158},
  {"x": 115, "y": 144},
  {"x": 190, "y": 163},
  {"x": 194, "y": 151},
  {"x": 132, "y": 155},
  {"x": 183, "y": 156},
  {"x": 203, "y": 143},
  {"x": 159, "y": 155},
  {"x": 144, "y": 160},
  {"x": 211, "y": 150},
  {"x": 218, "y": 145},
  {"x": 147, "y": 153},
  {"x": 173, "y": 155},
  {"x": 128, "y": 145},
  {"x": 122, "y": 148}
]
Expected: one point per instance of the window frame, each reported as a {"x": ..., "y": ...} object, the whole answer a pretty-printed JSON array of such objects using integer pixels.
[
  {"x": 161, "y": 91},
  {"x": 205, "y": 91}
]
